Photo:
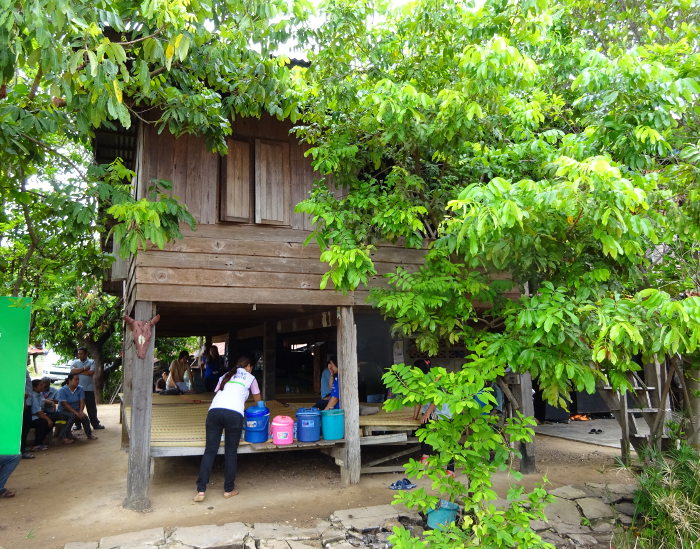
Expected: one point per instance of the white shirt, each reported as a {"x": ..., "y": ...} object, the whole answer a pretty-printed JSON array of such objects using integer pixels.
[{"x": 235, "y": 392}]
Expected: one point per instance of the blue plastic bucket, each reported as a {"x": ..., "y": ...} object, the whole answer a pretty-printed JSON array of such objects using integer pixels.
[
  {"x": 256, "y": 424},
  {"x": 442, "y": 515},
  {"x": 333, "y": 424},
  {"x": 308, "y": 424}
]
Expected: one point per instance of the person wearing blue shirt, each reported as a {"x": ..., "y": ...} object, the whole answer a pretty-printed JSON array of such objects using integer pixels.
[
  {"x": 71, "y": 404},
  {"x": 334, "y": 397},
  {"x": 85, "y": 368},
  {"x": 331, "y": 399},
  {"x": 213, "y": 368},
  {"x": 41, "y": 422}
]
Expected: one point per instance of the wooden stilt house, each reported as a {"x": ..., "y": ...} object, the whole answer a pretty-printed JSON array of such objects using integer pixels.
[{"x": 244, "y": 275}]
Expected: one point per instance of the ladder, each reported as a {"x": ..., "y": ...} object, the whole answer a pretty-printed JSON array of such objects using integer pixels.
[{"x": 648, "y": 399}]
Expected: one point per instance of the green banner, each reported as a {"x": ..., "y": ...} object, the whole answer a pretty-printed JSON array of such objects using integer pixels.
[{"x": 14, "y": 341}]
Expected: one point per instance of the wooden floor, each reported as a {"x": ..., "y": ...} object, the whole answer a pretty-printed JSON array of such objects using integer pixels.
[{"x": 177, "y": 426}]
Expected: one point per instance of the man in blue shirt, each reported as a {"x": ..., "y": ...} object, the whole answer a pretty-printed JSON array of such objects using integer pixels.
[
  {"x": 85, "y": 368},
  {"x": 71, "y": 403},
  {"x": 334, "y": 397}
]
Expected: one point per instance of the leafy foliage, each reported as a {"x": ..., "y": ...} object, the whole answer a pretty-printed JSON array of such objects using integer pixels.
[{"x": 545, "y": 148}]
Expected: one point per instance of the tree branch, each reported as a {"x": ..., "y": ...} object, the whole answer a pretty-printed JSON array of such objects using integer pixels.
[{"x": 55, "y": 152}]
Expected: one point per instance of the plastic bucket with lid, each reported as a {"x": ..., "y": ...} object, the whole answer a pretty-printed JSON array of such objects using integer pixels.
[
  {"x": 308, "y": 424},
  {"x": 282, "y": 430},
  {"x": 444, "y": 514},
  {"x": 333, "y": 424},
  {"x": 257, "y": 421}
]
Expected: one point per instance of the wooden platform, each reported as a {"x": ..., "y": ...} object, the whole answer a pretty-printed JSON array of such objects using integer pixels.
[{"x": 177, "y": 427}]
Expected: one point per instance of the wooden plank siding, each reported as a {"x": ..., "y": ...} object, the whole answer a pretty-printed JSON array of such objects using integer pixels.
[{"x": 229, "y": 258}]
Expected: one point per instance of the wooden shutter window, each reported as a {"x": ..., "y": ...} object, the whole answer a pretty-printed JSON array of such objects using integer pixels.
[
  {"x": 272, "y": 182},
  {"x": 236, "y": 191}
]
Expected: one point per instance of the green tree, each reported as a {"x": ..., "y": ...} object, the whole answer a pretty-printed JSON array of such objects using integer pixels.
[
  {"x": 69, "y": 68},
  {"x": 555, "y": 142}
]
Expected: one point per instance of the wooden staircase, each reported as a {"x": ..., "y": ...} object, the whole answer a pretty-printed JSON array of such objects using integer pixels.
[{"x": 645, "y": 401}]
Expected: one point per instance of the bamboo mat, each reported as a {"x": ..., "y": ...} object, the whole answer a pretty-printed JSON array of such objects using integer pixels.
[{"x": 181, "y": 424}]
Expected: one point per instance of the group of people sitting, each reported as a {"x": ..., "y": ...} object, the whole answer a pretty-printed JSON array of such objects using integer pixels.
[
  {"x": 72, "y": 407},
  {"x": 187, "y": 375}
]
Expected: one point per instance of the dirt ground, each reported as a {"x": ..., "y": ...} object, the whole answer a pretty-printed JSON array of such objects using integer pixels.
[{"x": 75, "y": 492}]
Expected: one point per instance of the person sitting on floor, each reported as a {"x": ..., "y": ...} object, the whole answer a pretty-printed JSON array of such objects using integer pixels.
[
  {"x": 162, "y": 382},
  {"x": 71, "y": 403},
  {"x": 41, "y": 422},
  {"x": 7, "y": 466},
  {"x": 176, "y": 378}
]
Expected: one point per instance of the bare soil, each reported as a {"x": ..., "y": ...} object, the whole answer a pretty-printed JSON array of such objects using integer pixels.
[{"x": 75, "y": 492}]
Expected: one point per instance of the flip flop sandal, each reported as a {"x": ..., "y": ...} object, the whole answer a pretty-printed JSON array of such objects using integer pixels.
[
  {"x": 408, "y": 485},
  {"x": 230, "y": 494},
  {"x": 592, "y": 432},
  {"x": 5, "y": 493},
  {"x": 599, "y": 432},
  {"x": 199, "y": 497},
  {"x": 398, "y": 485}
]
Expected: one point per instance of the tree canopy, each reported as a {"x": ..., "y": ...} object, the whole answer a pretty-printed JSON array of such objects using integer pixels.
[{"x": 555, "y": 143}]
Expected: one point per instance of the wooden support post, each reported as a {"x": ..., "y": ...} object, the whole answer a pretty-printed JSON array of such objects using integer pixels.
[
  {"x": 138, "y": 476},
  {"x": 269, "y": 360},
  {"x": 625, "y": 424},
  {"x": 349, "y": 398},
  {"x": 527, "y": 406}
]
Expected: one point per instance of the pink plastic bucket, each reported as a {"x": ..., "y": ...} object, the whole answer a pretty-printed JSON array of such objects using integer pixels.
[{"x": 282, "y": 430}]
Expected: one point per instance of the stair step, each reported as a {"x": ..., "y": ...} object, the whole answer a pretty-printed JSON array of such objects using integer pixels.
[{"x": 638, "y": 410}]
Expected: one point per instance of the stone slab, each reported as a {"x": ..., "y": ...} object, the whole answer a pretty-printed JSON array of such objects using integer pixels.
[
  {"x": 231, "y": 535},
  {"x": 568, "y": 492},
  {"x": 273, "y": 544},
  {"x": 363, "y": 519},
  {"x": 625, "y": 508},
  {"x": 81, "y": 545},
  {"x": 331, "y": 535},
  {"x": 562, "y": 511},
  {"x": 274, "y": 530},
  {"x": 305, "y": 544},
  {"x": 593, "y": 508},
  {"x": 583, "y": 540},
  {"x": 152, "y": 536}
]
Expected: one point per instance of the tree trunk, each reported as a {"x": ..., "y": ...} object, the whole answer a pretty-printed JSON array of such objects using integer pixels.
[
  {"x": 692, "y": 382},
  {"x": 95, "y": 351}
]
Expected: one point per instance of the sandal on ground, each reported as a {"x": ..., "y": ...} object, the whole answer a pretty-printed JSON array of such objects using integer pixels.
[
  {"x": 6, "y": 493},
  {"x": 92, "y": 437},
  {"x": 230, "y": 494},
  {"x": 68, "y": 441},
  {"x": 27, "y": 455},
  {"x": 403, "y": 484},
  {"x": 199, "y": 496}
]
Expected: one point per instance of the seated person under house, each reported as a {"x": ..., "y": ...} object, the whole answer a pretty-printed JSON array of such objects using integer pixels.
[
  {"x": 41, "y": 422},
  {"x": 71, "y": 403}
]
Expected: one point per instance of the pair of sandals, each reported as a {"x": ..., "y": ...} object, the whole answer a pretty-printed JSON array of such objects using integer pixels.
[
  {"x": 200, "y": 496},
  {"x": 403, "y": 484},
  {"x": 595, "y": 432}
]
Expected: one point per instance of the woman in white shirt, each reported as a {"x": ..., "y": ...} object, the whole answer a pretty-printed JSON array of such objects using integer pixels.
[{"x": 226, "y": 415}]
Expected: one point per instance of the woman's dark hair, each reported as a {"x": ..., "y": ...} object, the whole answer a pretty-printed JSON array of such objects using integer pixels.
[
  {"x": 68, "y": 378},
  {"x": 333, "y": 359},
  {"x": 36, "y": 383},
  {"x": 242, "y": 362},
  {"x": 183, "y": 354},
  {"x": 423, "y": 364}
]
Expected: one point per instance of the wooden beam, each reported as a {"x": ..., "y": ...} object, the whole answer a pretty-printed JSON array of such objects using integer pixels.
[
  {"x": 138, "y": 476},
  {"x": 269, "y": 360},
  {"x": 391, "y": 438},
  {"x": 324, "y": 319},
  {"x": 349, "y": 398},
  {"x": 273, "y": 296}
]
